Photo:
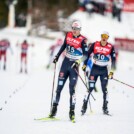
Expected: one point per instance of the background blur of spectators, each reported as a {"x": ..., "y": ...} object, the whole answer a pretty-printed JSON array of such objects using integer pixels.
[
  {"x": 102, "y": 6},
  {"x": 117, "y": 9}
]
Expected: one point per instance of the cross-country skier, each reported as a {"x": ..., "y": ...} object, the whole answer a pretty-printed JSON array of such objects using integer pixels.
[
  {"x": 4, "y": 45},
  {"x": 53, "y": 50},
  {"x": 23, "y": 55},
  {"x": 103, "y": 54},
  {"x": 76, "y": 51}
]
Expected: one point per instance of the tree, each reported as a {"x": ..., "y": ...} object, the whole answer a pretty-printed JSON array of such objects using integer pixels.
[{"x": 3, "y": 13}]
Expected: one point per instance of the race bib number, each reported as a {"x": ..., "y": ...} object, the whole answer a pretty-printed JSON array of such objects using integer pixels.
[{"x": 101, "y": 59}]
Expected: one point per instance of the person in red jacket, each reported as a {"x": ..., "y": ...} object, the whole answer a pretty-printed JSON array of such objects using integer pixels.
[
  {"x": 4, "y": 45},
  {"x": 23, "y": 55}
]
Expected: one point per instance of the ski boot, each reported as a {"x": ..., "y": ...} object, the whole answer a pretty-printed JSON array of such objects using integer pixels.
[
  {"x": 84, "y": 107},
  {"x": 105, "y": 108},
  {"x": 21, "y": 70},
  {"x": 72, "y": 115},
  {"x": 4, "y": 67},
  {"x": 53, "y": 111}
]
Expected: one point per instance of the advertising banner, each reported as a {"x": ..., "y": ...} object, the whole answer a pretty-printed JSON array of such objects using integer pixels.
[{"x": 125, "y": 44}]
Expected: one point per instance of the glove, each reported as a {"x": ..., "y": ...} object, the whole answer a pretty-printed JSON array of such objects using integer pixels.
[
  {"x": 110, "y": 76},
  {"x": 55, "y": 59},
  {"x": 84, "y": 67},
  {"x": 76, "y": 64}
]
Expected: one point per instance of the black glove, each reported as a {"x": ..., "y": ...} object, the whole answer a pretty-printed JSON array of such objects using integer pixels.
[
  {"x": 110, "y": 76},
  {"x": 55, "y": 59},
  {"x": 84, "y": 67},
  {"x": 76, "y": 64}
]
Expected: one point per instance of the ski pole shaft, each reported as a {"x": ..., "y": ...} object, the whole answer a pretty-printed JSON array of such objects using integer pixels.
[
  {"x": 84, "y": 83},
  {"x": 53, "y": 86},
  {"x": 88, "y": 94},
  {"x": 90, "y": 106},
  {"x": 123, "y": 83}
]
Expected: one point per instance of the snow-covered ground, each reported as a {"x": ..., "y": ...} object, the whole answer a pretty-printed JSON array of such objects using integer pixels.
[{"x": 25, "y": 97}]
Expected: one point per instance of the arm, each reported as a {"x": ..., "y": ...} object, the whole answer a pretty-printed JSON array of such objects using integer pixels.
[
  {"x": 60, "y": 51},
  {"x": 90, "y": 51},
  {"x": 85, "y": 50},
  {"x": 62, "y": 48},
  {"x": 9, "y": 46},
  {"x": 113, "y": 58}
]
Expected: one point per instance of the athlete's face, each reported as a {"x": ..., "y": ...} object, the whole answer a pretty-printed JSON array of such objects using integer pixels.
[
  {"x": 104, "y": 38},
  {"x": 76, "y": 31}
]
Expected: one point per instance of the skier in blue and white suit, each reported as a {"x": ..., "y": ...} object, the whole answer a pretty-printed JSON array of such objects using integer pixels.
[{"x": 76, "y": 51}]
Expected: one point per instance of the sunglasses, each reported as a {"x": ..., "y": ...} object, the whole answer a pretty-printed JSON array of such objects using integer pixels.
[
  {"x": 76, "y": 28},
  {"x": 104, "y": 36}
]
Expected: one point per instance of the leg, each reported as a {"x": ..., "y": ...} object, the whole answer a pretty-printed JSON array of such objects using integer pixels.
[
  {"x": 119, "y": 15},
  {"x": 25, "y": 61},
  {"x": 85, "y": 101},
  {"x": 73, "y": 77},
  {"x": 63, "y": 75},
  {"x": 104, "y": 83},
  {"x": 4, "y": 54},
  {"x": 21, "y": 62},
  {"x": 92, "y": 80}
]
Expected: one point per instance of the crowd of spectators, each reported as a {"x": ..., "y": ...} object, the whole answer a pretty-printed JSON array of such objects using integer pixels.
[{"x": 102, "y": 6}]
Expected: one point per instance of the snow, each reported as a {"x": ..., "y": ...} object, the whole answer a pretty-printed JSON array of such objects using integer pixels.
[
  {"x": 25, "y": 97},
  {"x": 95, "y": 24}
]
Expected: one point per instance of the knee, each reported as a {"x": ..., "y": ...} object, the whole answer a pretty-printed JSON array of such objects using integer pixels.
[
  {"x": 105, "y": 91},
  {"x": 72, "y": 91},
  {"x": 58, "y": 91}
]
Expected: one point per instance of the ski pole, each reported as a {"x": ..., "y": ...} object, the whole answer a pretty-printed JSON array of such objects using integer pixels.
[
  {"x": 88, "y": 94},
  {"x": 84, "y": 83},
  {"x": 123, "y": 83},
  {"x": 53, "y": 86}
]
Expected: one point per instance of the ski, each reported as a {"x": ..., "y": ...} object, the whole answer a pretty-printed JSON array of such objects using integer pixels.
[
  {"x": 73, "y": 121},
  {"x": 47, "y": 119},
  {"x": 107, "y": 114}
]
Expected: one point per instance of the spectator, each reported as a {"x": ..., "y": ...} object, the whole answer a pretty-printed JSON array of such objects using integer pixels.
[
  {"x": 4, "y": 45},
  {"x": 98, "y": 6},
  {"x": 83, "y": 4},
  {"x": 117, "y": 9},
  {"x": 23, "y": 55}
]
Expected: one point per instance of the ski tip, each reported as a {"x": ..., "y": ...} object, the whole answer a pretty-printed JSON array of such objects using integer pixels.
[
  {"x": 46, "y": 119},
  {"x": 107, "y": 114}
]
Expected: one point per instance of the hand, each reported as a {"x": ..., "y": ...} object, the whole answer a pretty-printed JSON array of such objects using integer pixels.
[
  {"x": 110, "y": 76},
  {"x": 55, "y": 59},
  {"x": 76, "y": 64},
  {"x": 84, "y": 67}
]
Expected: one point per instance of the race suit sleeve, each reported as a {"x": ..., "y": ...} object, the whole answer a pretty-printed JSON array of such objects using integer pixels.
[
  {"x": 90, "y": 51},
  {"x": 84, "y": 50},
  {"x": 62, "y": 48},
  {"x": 113, "y": 58}
]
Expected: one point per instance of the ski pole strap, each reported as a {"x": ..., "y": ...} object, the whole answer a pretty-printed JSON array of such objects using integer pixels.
[
  {"x": 123, "y": 83},
  {"x": 84, "y": 83}
]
